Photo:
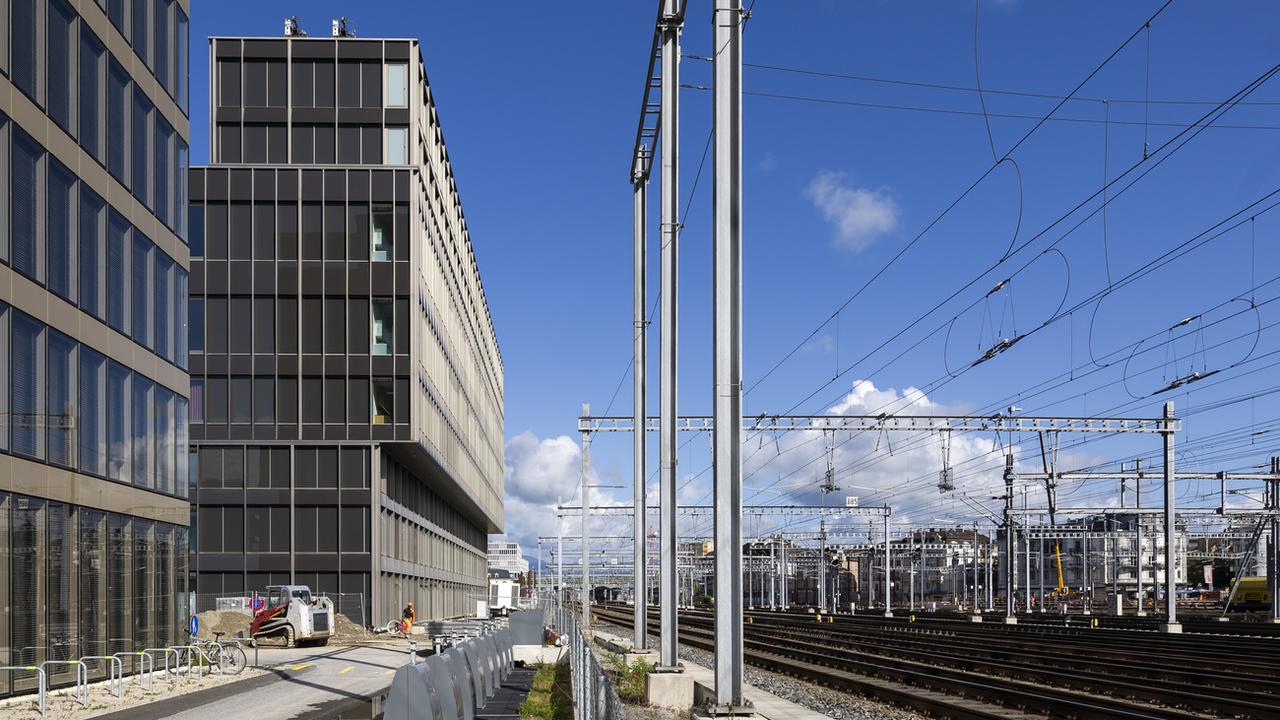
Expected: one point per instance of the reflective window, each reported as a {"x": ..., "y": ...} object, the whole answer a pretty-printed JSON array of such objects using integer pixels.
[
  {"x": 397, "y": 146},
  {"x": 60, "y": 82},
  {"x": 92, "y": 229},
  {"x": 24, "y": 187},
  {"x": 91, "y": 413},
  {"x": 140, "y": 283},
  {"x": 195, "y": 323},
  {"x": 117, "y": 279},
  {"x": 61, "y": 407},
  {"x": 383, "y": 326},
  {"x": 119, "y": 452},
  {"x": 397, "y": 85},
  {"x": 58, "y": 224},
  {"x": 25, "y": 54},
  {"x": 142, "y": 421},
  {"x": 118, "y": 104},
  {"x": 92, "y": 69},
  {"x": 26, "y": 389}
]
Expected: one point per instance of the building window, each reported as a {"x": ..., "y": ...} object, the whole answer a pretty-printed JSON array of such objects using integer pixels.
[
  {"x": 335, "y": 321},
  {"x": 216, "y": 400},
  {"x": 141, "y": 144},
  {"x": 240, "y": 317},
  {"x": 381, "y": 227},
  {"x": 264, "y": 400},
  {"x": 118, "y": 243},
  {"x": 118, "y": 450},
  {"x": 164, "y": 303},
  {"x": 26, "y": 389},
  {"x": 142, "y": 421},
  {"x": 241, "y": 390},
  {"x": 358, "y": 400},
  {"x": 61, "y": 409},
  {"x": 383, "y": 326},
  {"x": 139, "y": 35},
  {"x": 264, "y": 325},
  {"x": 287, "y": 400},
  {"x": 383, "y": 401},
  {"x": 241, "y": 231},
  {"x": 165, "y": 441},
  {"x": 349, "y": 84},
  {"x": 196, "y": 412},
  {"x": 92, "y": 69},
  {"x": 93, "y": 220},
  {"x": 24, "y": 186},
  {"x": 140, "y": 283},
  {"x": 335, "y": 406},
  {"x": 91, "y": 416},
  {"x": 312, "y": 400},
  {"x": 397, "y": 146},
  {"x": 195, "y": 229},
  {"x": 26, "y": 56},
  {"x": 117, "y": 121},
  {"x": 286, "y": 326},
  {"x": 397, "y": 85},
  {"x": 216, "y": 328},
  {"x": 60, "y": 66},
  {"x": 182, "y": 39},
  {"x": 195, "y": 323},
  {"x": 163, "y": 166},
  {"x": 60, "y": 219}
]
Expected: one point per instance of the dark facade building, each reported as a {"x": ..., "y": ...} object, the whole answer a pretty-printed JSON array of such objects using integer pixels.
[
  {"x": 346, "y": 381},
  {"x": 93, "y": 344}
]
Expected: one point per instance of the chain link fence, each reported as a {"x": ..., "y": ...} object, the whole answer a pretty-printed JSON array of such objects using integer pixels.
[{"x": 593, "y": 694}]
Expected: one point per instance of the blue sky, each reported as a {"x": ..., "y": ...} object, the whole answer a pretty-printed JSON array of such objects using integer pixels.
[{"x": 539, "y": 110}]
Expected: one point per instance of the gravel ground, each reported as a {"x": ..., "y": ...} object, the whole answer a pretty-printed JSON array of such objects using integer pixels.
[
  {"x": 832, "y": 703},
  {"x": 102, "y": 700}
]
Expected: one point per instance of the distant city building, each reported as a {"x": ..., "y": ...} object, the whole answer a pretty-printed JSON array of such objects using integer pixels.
[
  {"x": 507, "y": 555},
  {"x": 347, "y": 388},
  {"x": 93, "y": 347}
]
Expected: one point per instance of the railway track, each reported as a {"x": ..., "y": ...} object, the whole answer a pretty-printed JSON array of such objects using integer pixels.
[{"x": 951, "y": 669}]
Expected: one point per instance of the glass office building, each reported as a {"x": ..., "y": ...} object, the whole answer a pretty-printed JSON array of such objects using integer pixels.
[
  {"x": 93, "y": 339},
  {"x": 346, "y": 392}
]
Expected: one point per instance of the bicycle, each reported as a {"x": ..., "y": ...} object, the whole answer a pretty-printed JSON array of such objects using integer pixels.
[{"x": 228, "y": 656}]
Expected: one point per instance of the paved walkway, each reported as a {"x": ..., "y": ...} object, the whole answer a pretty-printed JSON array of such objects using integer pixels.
[{"x": 304, "y": 683}]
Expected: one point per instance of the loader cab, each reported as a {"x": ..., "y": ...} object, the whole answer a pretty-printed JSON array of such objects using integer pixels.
[{"x": 278, "y": 595}]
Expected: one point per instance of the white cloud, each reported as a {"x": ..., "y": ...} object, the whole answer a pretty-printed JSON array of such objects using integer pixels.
[
  {"x": 538, "y": 473},
  {"x": 858, "y": 215}
]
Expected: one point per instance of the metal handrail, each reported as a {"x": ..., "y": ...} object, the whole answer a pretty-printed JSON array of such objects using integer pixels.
[
  {"x": 30, "y": 668},
  {"x": 115, "y": 671},
  {"x": 82, "y": 677}
]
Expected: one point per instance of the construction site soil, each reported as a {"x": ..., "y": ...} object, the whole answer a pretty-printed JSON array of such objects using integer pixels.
[{"x": 234, "y": 623}]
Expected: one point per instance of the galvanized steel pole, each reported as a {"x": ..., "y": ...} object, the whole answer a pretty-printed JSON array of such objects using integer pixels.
[
  {"x": 888, "y": 580},
  {"x": 1137, "y": 523},
  {"x": 586, "y": 535},
  {"x": 668, "y": 584},
  {"x": 640, "y": 623},
  {"x": 1009, "y": 557},
  {"x": 1273, "y": 572},
  {"x": 1170, "y": 529},
  {"x": 726, "y": 291}
]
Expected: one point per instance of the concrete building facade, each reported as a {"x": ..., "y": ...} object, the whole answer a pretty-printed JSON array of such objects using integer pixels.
[
  {"x": 93, "y": 354},
  {"x": 347, "y": 389}
]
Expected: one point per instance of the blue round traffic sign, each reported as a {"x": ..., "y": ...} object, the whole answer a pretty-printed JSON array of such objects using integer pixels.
[{"x": 193, "y": 625}]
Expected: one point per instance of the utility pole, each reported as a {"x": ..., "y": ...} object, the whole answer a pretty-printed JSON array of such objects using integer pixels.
[
  {"x": 559, "y": 554},
  {"x": 1026, "y": 547},
  {"x": 773, "y": 575},
  {"x": 586, "y": 540},
  {"x": 1170, "y": 624},
  {"x": 1009, "y": 558},
  {"x": 639, "y": 188},
  {"x": 1137, "y": 524},
  {"x": 671, "y": 22},
  {"x": 1273, "y": 571},
  {"x": 726, "y": 313},
  {"x": 822, "y": 565},
  {"x": 888, "y": 580}
]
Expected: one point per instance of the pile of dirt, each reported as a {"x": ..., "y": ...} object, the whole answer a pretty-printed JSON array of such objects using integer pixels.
[
  {"x": 231, "y": 623},
  {"x": 345, "y": 631}
]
